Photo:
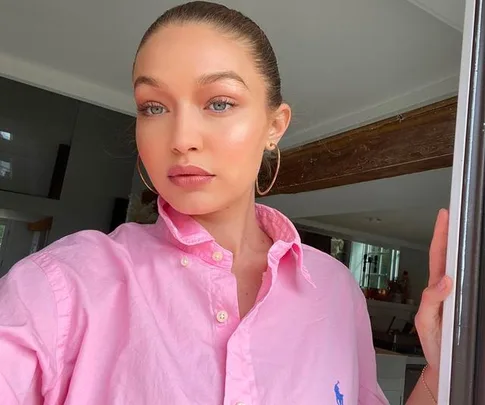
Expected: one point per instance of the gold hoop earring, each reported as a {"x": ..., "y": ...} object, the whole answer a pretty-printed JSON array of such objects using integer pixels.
[
  {"x": 138, "y": 167},
  {"x": 261, "y": 193}
]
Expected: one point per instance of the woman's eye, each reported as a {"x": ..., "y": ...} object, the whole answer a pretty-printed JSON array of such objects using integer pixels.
[
  {"x": 220, "y": 105},
  {"x": 153, "y": 110}
]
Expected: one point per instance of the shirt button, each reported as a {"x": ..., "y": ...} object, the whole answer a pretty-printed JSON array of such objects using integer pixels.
[
  {"x": 217, "y": 256},
  {"x": 222, "y": 316},
  {"x": 184, "y": 261},
  {"x": 240, "y": 403}
]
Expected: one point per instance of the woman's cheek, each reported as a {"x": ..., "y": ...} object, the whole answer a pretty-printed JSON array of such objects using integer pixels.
[{"x": 148, "y": 135}]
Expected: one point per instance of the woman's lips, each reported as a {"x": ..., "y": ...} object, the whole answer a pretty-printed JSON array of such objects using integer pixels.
[{"x": 189, "y": 176}]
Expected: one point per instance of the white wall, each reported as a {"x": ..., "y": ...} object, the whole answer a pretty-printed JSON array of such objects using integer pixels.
[
  {"x": 18, "y": 215},
  {"x": 395, "y": 193},
  {"x": 35, "y": 207}
]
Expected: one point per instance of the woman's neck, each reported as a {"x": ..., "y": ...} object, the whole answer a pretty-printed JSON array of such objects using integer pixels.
[{"x": 236, "y": 228}]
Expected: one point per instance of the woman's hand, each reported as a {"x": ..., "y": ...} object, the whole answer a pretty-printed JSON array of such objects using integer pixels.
[{"x": 429, "y": 317}]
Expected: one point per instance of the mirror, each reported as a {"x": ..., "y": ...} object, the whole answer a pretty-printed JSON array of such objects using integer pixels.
[{"x": 365, "y": 163}]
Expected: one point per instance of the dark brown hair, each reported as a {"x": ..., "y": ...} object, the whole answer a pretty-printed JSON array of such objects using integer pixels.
[{"x": 234, "y": 23}]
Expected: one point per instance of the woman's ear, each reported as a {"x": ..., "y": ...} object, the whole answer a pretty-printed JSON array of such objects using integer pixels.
[{"x": 279, "y": 123}]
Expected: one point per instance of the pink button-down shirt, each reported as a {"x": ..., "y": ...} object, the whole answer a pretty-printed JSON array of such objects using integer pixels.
[{"x": 149, "y": 316}]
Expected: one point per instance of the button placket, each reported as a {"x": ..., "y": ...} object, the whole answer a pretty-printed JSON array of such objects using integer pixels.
[{"x": 240, "y": 379}]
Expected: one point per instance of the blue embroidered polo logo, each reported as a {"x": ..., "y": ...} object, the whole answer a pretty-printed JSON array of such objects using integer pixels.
[{"x": 338, "y": 396}]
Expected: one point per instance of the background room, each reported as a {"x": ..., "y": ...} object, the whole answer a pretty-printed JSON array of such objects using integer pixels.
[{"x": 366, "y": 163}]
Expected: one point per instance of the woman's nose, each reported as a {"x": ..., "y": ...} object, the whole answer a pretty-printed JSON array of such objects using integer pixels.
[{"x": 186, "y": 133}]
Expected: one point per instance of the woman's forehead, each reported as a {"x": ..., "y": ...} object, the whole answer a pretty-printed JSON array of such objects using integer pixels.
[{"x": 195, "y": 50}]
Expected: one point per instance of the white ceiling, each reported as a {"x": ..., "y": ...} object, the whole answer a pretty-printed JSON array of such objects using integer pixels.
[
  {"x": 343, "y": 63},
  {"x": 409, "y": 227},
  {"x": 450, "y": 12},
  {"x": 406, "y": 206}
]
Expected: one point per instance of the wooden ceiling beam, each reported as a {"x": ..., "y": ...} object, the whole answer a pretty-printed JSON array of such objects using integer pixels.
[{"x": 412, "y": 142}]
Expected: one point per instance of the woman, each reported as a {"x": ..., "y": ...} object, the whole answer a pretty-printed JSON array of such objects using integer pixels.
[{"x": 218, "y": 302}]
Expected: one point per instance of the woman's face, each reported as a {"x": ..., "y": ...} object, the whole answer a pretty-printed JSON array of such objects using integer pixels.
[{"x": 203, "y": 118}]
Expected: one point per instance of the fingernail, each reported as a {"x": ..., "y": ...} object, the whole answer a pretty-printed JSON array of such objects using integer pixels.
[{"x": 442, "y": 284}]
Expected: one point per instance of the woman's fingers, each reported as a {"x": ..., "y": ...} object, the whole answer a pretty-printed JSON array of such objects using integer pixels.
[
  {"x": 437, "y": 251},
  {"x": 428, "y": 320},
  {"x": 432, "y": 299}
]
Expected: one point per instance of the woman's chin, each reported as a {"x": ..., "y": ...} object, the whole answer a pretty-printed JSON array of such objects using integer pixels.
[{"x": 194, "y": 205}]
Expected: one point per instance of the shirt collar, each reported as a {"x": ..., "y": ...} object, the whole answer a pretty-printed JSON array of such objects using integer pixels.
[{"x": 189, "y": 233}]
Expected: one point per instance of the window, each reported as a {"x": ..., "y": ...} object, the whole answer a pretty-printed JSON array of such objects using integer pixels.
[
  {"x": 373, "y": 266},
  {"x": 5, "y": 169},
  {"x": 3, "y": 241},
  {"x": 7, "y": 136},
  {"x": 2, "y": 233}
]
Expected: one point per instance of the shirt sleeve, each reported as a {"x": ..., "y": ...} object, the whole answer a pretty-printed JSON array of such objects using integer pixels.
[
  {"x": 31, "y": 333},
  {"x": 370, "y": 392}
]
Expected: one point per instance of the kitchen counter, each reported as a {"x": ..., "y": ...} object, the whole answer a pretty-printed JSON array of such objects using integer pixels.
[
  {"x": 392, "y": 368},
  {"x": 411, "y": 359}
]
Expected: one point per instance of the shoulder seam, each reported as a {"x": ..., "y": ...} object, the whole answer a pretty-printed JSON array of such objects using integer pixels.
[{"x": 58, "y": 284}]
